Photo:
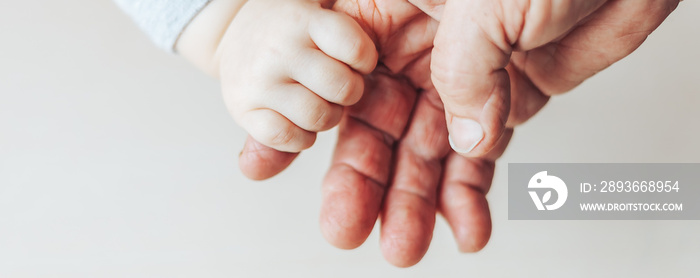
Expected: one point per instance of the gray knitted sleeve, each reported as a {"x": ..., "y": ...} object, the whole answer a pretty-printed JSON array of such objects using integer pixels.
[{"x": 162, "y": 20}]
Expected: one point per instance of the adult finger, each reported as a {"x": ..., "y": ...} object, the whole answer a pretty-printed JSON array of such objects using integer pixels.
[
  {"x": 462, "y": 197},
  {"x": 408, "y": 215},
  {"x": 259, "y": 162},
  {"x": 354, "y": 187},
  {"x": 526, "y": 99}
]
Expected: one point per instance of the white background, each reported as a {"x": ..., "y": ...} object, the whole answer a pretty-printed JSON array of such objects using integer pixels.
[{"x": 120, "y": 160}]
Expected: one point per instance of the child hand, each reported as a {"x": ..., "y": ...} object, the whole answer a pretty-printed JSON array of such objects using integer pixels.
[{"x": 288, "y": 67}]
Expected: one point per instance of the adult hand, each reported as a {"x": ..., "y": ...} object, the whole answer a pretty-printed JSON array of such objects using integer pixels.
[
  {"x": 490, "y": 54},
  {"x": 405, "y": 174}
]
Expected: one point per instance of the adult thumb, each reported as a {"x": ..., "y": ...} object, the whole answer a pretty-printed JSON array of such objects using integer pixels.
[
  {"x": 472, "y": 49},
  {"x": 468, "y": 71}
]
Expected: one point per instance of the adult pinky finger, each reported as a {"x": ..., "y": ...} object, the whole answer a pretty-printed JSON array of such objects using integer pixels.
[
  {"x": 259, "y": 162},
  {"x": 275, "y": 131}
]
